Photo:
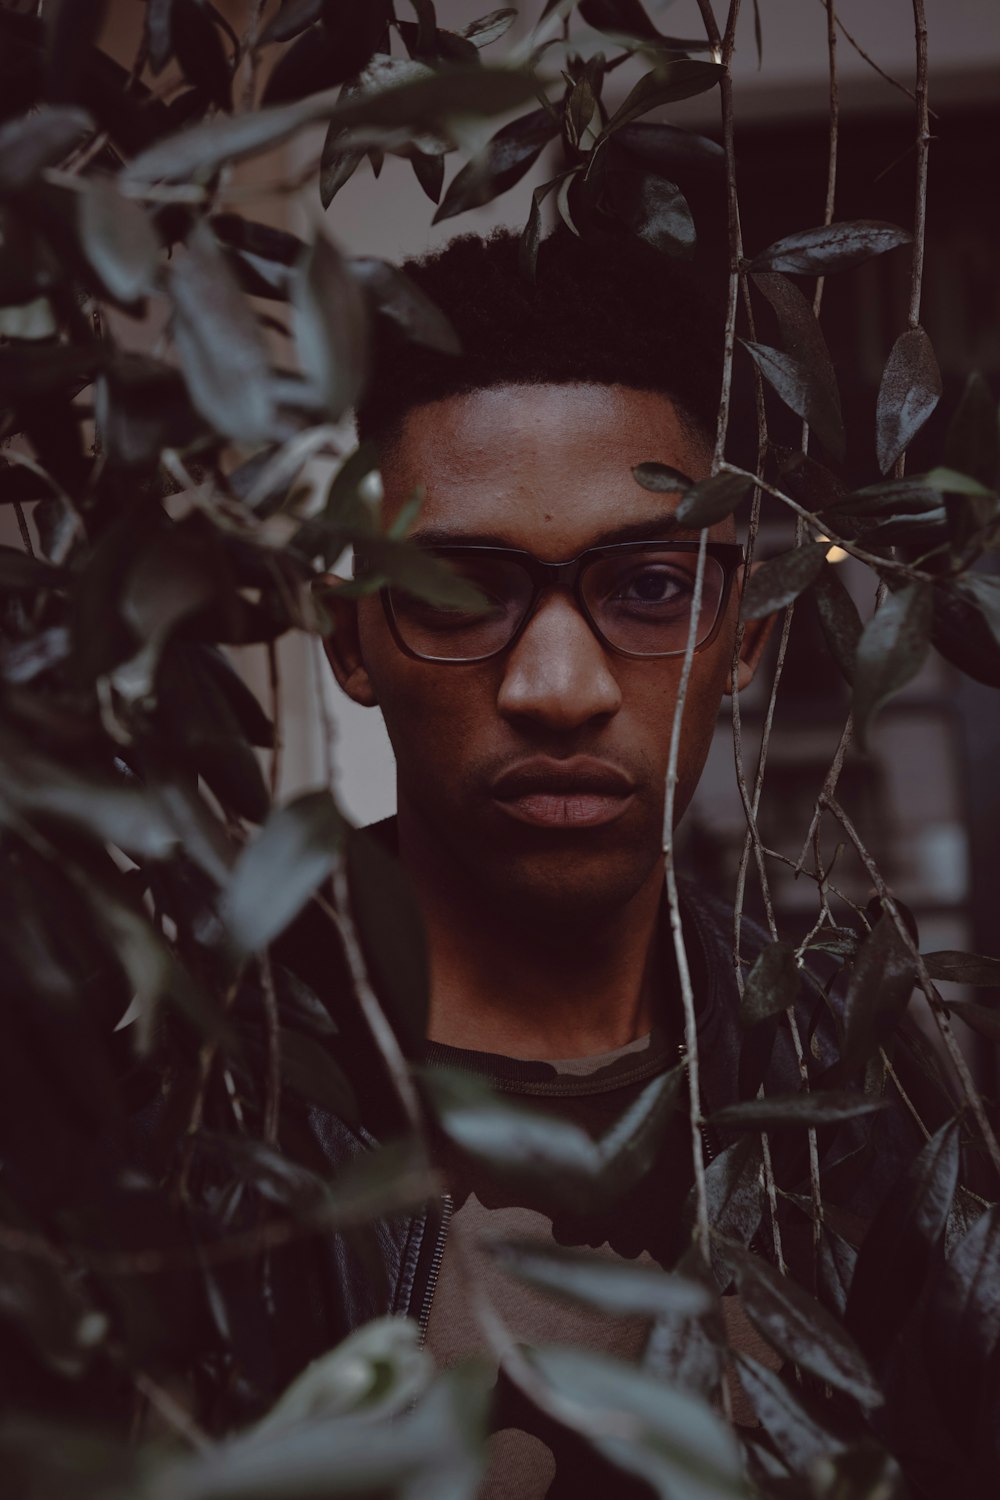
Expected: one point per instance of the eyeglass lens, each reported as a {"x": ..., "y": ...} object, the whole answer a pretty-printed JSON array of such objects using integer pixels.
[{"x": 639, "y": 599}]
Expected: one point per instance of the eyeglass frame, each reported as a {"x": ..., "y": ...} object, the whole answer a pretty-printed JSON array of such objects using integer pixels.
[{"x": 568, "y": 575}]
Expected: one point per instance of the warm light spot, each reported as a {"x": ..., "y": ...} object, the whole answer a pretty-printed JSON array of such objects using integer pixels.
[{"x": 835, "y": 554}]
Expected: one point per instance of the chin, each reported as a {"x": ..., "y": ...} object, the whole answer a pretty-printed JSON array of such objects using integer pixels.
[{"x": 566, "y": 887}]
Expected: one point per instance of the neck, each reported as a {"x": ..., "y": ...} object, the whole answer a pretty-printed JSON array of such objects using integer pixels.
[{"x": 506, "y": 982}]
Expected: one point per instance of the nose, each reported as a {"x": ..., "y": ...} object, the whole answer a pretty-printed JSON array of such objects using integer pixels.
[{"x": 558, "y": 674}]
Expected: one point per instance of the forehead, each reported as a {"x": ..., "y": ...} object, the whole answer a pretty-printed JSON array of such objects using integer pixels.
[{"x": 544, "y": 467}]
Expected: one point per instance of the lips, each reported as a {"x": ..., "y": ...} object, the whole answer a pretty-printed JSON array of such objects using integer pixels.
[{"x": 576, "y": 793}]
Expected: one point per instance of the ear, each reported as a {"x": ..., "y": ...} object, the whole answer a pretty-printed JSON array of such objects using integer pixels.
[
  {"x": 343, "y": 644},
  {"x": 756, "y": 634}
]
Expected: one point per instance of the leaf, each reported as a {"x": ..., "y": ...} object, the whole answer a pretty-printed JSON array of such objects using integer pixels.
[
  {"x": 528, "y": 1147},
  {"x": 775, "y": 583},
  {"x": 712, "y": 500},
  {"x": 984, "y": 591},
  {"x": 429, "y": 172},
  {"x": 879, "y": 987},
  {"x": 900, "y": 1245},
  {"x": 28, "y": 320},
  {"x": 377, "y": 1372},
  {"x": 337, "y": 164},
  {"x": 331, "y": 328},
  {"x": 309, "y": 1071},
  {"x": 198, "y": 49},
  {"x": 962, "y": 1322},
  {"x": 291, "y": 20},
  {"x": 276, "y": 874},
  {"x": 802, "y": 393},
  {"x": 661, "y": 479},
  {"x": 776, "y": 1111},
  {"x": 30, "y": 144},
  {"x": 962, "y": 635},
  {"x": 892, "y": 649},
  {"x": 980, "y": 1018},
  {"x": 490, "y": 28},
  {"x": 830, "y": 247},
  {"x": 392, "y": 934},
  {"x": 890, "y": 496},
  {"x": 802, "y": 339},
  {"x": 771, "y": 985},
  {"x": 952, "y": 967},
  {"x": 421, "y": 103},
  {"x": 735, "y": 1193},
  {"x": 621, "y": 17},
  {"x": 667, "y": 147},
  {"x": 654, "y": 209},
  {"x": 503, "y": 162},
  {"x": 838, "y": 617},
  {"x": 414, "y": 569},
  {"x": 800, "y": 1328},
  {"x": 954, "y": 483},
  {"x": 220, "y": 346},
  {"x": 681, "y": 79},
  {"x": 674, "y": 1441},
  {"x": 909, "y": 392},
  {"x": 527, "y": 251},
  {"x": 685, "y": 1350},
  {"x": 972, "y": 445},
  {"x": 618, "y": 1287},
  {"x": 797, "y": 1432},
  {"x": 399, "y": 299}
]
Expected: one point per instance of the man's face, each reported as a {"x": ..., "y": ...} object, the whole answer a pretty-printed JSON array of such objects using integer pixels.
[{"x": 547, "y": 469}]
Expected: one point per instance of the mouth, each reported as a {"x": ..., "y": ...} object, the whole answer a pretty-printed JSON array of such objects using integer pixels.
[{"x": 575, "y": 793}]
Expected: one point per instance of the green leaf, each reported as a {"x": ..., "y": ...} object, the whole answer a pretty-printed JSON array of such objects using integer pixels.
[
  {"x": 33, "y": 142},
  {"x": 838, "y": 618},
  {"x": 331, "y": 328},
  {"x": 881, "y": 982},
  {"x": 712, "y": 500},
  {"x": 973, "y": 442},
  {"x": 399, "y": 299},
  {"x": 276, "y": 874},
  {"x": 909, "y": 392},
  {"x": 118, "y": 239},
  {"x": 830, "y": 247},
  {"x": 802, "y": 339},
  {"x": 674, "y": 1441},
  {"x": 797, "y": 1432},
  {"x": 503, "y": 162},
  {"x": 892, "y": 649},
  {"x": 806, "y": 396},
  {"x": 778, "y": 581},
  {"x": 771, "y": 985},
  {"x": 654, "y": 209},
  {"x": 416, "y": 570},
  {"x": 800, "y": 1328},
  {"x": 952, "y": 967},
  {"x": 681, "y": 79},
  {"x": 892, "y": 495},
  {"x": 661, "y": 479},
  {"x": 611, "y": 1286},
  {"x": 900, "y": 1244},
  {"x": 952, "y": 482},
  {"x": 221, "y": 348},
  {"x": 827, "y": 1107}
]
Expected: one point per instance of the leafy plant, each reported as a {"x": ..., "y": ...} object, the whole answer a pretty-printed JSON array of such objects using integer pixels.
[{"x": 169, "y": 365}]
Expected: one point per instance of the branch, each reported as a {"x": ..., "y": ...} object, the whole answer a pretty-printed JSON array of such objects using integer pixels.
[{"x": 923, "y": 145}]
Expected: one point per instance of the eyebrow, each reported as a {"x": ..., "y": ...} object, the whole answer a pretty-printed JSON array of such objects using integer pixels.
[{"x": 650, "y": 529}]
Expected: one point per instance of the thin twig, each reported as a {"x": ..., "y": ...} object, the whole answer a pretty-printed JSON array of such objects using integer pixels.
[
  {"x": 923, "y": 145},
  {"x": 22, "y": 526},
  {"x": 829, "y": 787},
  {"x": 866, "y": 57},
  {"x": 171, "y": 1411},
  {"x": 887, "y": 1064},
  {"x": 272, "y": 1090},
  {"x": 833, "y": 139},
  {"x": 274, "y": 686}
]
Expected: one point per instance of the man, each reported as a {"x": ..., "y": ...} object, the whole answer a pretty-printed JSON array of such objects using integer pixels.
[{"x": 531, "y": 737}]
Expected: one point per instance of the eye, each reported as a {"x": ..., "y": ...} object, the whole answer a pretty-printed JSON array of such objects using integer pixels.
[{"x": 653, "y": 585}]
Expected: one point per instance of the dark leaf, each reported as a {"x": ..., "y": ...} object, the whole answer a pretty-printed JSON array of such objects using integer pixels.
[
  {"x": 667, "y": 148},
  {"x": 794, "y": 1110},
  {"x": 980, "y": 1018},
  {"x": 771, "y": 985},
  {"x": 953, "y": 482},
  {"x": 653, "y": 209},
  {"x": 684, "y": 1350},
  {"x": 805, "y": 395},
  {"x": 311, "y": 64},
  {"x": 778, "y": 581},
  {"x": 675, "y": 1442},
  {"x": 620, "y": 17},
  {"x": 503, "y": 162},
  {"x": 199, "y": 50},
  {"x": 881, "y": 982},
  {"x": 802, "y": 339},
  {"x": 429, "y": 172},
  {"x": 712, "y": 500},
  {"x": 830, "y": 247},
  {"x": 119, "y": 240},
  {"x": 839, "y": 618},
  {"x": 901, "y": 1244},
  {"x": 73, "y": 27},
  {"x": 331, "y": 328},
  {"x": 973, "y": 442},
  {"x": 490, "y": 28},
  {"x": 964, "y": 968},
  {"x": 911, "y": 495},
  {"x": 619, "y": 1287},
  {"x": 661, "y": 479},
  {"x": 415, "y": 569},
  {"x": 798, "y": 1433},
  {"x": 392, "y": 934},
  {"x": 142, "y": 407},
  {"x": 291, "y": 20},
  {"x": 527, "y": 253},
  {"x": 983, "y": 590},
  {"x": 220, "y": 346},
  {"x": 891, "y": 651},
  {"x": 800, "y": 1328},
  {"x": 402, "y": 301},
  {"x": 735, "y": 1192},
  {"x": 337, "y": 164},
  {"x": 37, "y": 141},
  {"x": 813, "y": 485},
  {"x": 962, "y": 635},
  {"x": 665, "y": 85},
  {"x": 909, "y": 392},
  {"x": 276, "y": 874},
  {"x": 309, "y": 1071},
  {"x": 962, "y": 1322},
  {"x": 158, "y": 33}
]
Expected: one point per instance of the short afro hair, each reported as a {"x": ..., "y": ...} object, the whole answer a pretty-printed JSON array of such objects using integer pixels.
[{"x": 614, "y": 312}]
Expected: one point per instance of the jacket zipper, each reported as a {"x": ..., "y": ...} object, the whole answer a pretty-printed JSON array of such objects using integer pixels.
[{"x": 434, "y": 1271}]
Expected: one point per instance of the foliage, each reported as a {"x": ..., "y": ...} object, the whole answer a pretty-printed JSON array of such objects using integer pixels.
[{"x": 169, "y": 367}]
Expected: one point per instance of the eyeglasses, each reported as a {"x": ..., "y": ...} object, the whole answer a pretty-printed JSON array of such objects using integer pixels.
[{"x": 635, "y": 596}]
